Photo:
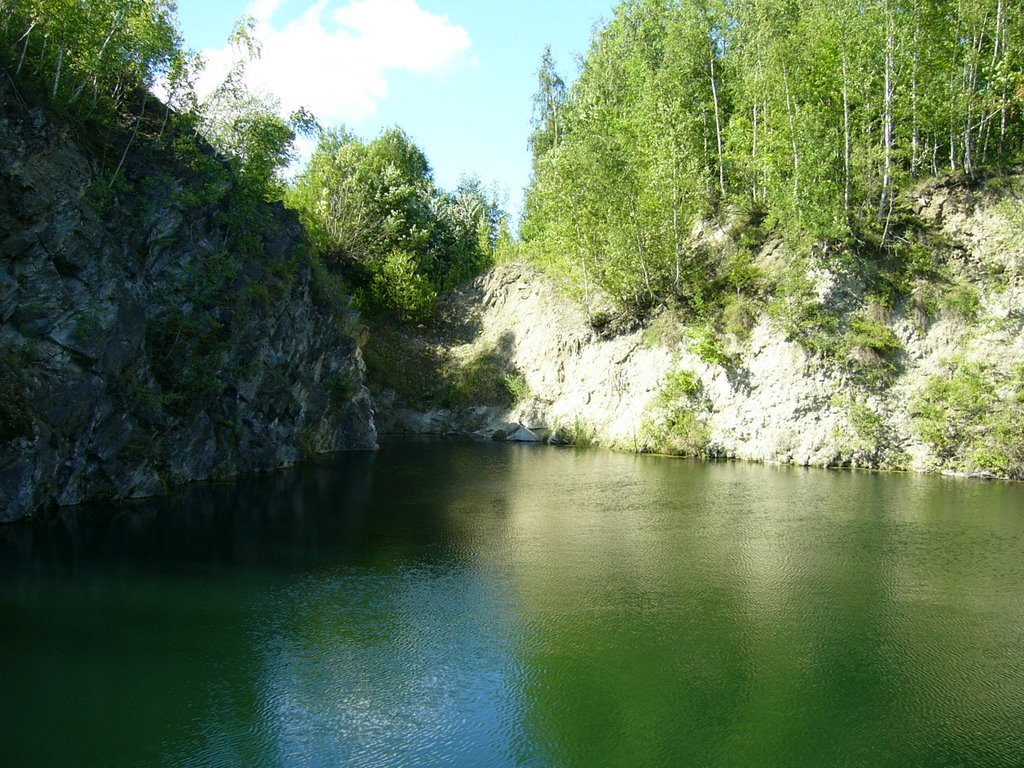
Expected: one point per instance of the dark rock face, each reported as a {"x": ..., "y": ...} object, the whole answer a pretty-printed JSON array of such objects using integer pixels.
[{"x": 137, "y": 350}]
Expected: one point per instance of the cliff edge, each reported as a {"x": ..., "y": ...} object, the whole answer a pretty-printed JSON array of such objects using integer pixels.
[
  {"x": 930, "y": 378},
  {"x": 150, "y": 333}
]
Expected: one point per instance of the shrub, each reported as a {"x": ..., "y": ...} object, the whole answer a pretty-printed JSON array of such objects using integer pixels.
[
  {"x": 740, "y": 315},
  {"x": 973, "y": 418},
  {"x": 707, "y": 345},
  {"x": 678, "y": 385},
  {"x": 399, "y": 284},
  {"x": 486, "y": 379},
  {"x": 406, "y": 363},
  {"x": 680, "y": 433},
  {"x": 802, "y": 317},
  {"x": 673, "y": 425},
  {"x": 343, "y": 386},
  {"x": 518, "y": 389},
  {"x": 869, "y": 441},
  {"x": 963, "y": 299},
  {"x": 872, "y": 349},
  {"x": 580, "y": 433}
]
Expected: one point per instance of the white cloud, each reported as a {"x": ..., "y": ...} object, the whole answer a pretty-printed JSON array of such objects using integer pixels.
[{"x": 336, "y": 60}]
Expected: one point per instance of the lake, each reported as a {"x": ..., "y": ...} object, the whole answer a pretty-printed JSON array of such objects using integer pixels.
[{"x": 477, "y": 604}]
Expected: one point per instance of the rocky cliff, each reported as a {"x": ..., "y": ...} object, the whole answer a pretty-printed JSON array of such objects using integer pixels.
[
  {"x": 150, "y": 335},
  {"x": 767, "y": 394}
]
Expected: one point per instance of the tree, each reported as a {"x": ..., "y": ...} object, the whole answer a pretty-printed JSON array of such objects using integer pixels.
[
  {"x": 247, "y": 127},
  {"x": 810, "y": 116},
  {"x": 548, "y": 104},
  {"x": 374, "y": 212},
  {"x": 91, "y": 58}
]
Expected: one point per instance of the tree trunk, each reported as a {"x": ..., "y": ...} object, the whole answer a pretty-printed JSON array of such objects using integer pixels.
[
  {"x": 24, "y": 48},
  {"x": 56, "y": 76},
  {"x": 677, "y": 240},
  {"x": 915, "y": 140},
  {"x": 640, "y": 251},
  {"x": 847, "y": 143},
  {"x": 718, "y": 120},
  {"x": 887, "y": 122},
  {"x": 753, "y": 155},
  {"x": 792, "y": 135}
]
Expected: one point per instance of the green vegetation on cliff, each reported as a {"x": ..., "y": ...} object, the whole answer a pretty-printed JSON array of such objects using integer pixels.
[
  {"x": 803, "y": 121},
  {"x": 163, "y": 320},
  {"x": 383, "y": 228},
  {"x": 374, "y": 212}
]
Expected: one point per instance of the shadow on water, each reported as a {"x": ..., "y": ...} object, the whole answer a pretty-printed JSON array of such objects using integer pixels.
[{"x": 269, "y": 520}]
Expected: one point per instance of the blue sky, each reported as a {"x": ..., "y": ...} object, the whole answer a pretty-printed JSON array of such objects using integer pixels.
[{"x": 457, "y": 75}]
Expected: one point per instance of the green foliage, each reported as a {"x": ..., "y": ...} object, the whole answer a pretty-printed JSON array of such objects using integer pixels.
[
  {"x": 579, "y": 432},
  {"x": 873, "y": 348},
  {"x": 802, "y": 317},
  {"x": 400, "y": 286},
  {"x": 374, "y": 213},
  {"x": 411, "y": 366},
  {"x": 247, "y": 127},
  {"x": 962, "y": 299},
  {"x": 548, "y": 105},
  {"x": 427, "y": 374},
  {"x": 343, "y": 386},
  {"x": 739, "y": 315},
  {"x": 679, "y": 432},
  {"x": 518, "y": 389},
  {"x": 807, "y": 118},
  {"x": 88, "y": 329},
  {"x": 1012, "y": 212},
  {"x": 329, "y": 287},
  {"x": 668, "y": 329},
  {"x": 487, "y": 378},
  {"x": 92, "y": 59},
  {"x": 673, "y": 425},
  {"x": 973, "y": 418},
  {"x": 869, "y": 440},
  {"x": 681, "y": 385},
  {"x": 708, "y": 345}
]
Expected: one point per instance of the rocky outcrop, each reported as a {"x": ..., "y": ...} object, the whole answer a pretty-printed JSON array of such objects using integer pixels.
[
  {"x": 140, "y": 345},
  {"x": 773, "y": 400}
]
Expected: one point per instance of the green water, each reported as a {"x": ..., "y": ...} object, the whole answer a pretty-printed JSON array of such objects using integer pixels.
[{"x": 488, "y": 605}]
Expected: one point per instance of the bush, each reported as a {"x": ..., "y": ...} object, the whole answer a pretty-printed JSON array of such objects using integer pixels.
[
  {"x": 398, "y": 284},
  {"x": 678, "y": 385},
  {"x": 797, "y": 310},
  {"x": 673, "y": 425},
  {"x": 486, "y": 379},
  {"x": 708, "y": 346},
  {"x": 580, "y": 433},
  {"x": 872, "y": 349},
  {"x": 406, "y": 363},
  {"x": 973, "y": 419},
  {"x": 343, "y": 386},
  {"x": 740, "y": 315},
  {"x": 962, "y": 299},
  {"x": 870, "y": 441},
  {"x": 680, "y": 433},
  {"x": 518, "y": 389}
]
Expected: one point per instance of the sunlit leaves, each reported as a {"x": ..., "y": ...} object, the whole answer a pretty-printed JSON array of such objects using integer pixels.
[{"x": 811, "y": 116}]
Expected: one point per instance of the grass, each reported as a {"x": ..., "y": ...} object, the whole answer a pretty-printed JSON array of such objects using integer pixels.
[{"x": 580, "y": 433}]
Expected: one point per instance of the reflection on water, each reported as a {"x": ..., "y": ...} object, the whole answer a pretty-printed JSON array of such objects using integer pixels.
[{"x": 466, "y": 604}]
